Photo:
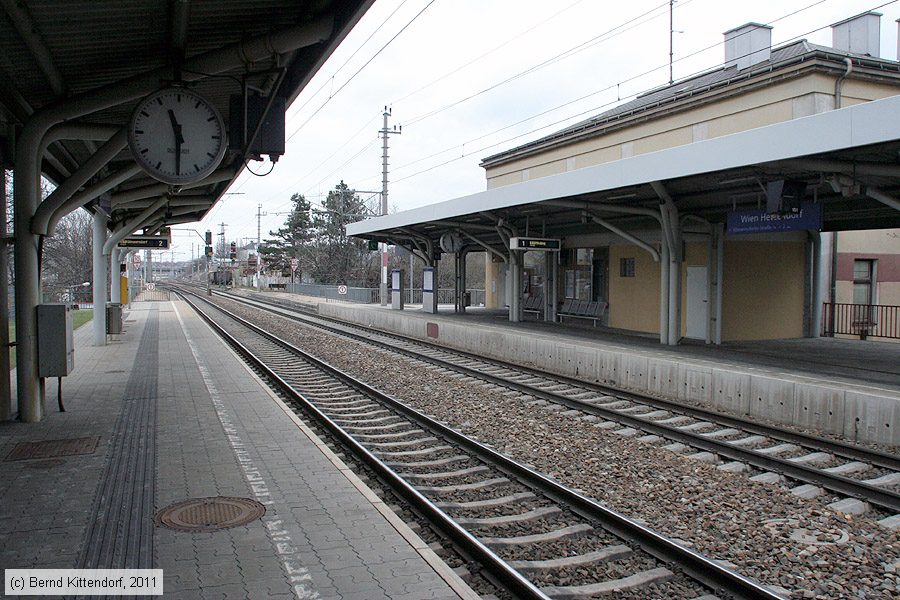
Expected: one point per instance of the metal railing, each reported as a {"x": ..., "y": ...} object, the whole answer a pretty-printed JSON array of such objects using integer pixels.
[
  {"x": 354, "y": 294},
  {"x": 369, "y": 295},
  {"x": 863, "y": 320}
]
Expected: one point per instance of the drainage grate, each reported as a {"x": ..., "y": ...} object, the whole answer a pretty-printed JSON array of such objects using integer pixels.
[
  {"x": 53, "y": 448},
  {"x": 209, "y": 514}
]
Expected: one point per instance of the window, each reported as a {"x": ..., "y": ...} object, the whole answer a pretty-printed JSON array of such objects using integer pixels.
[
  {"x": 578, "y": 275},
  {"x": 626, "y": 267},
  {"x": 863, "y": 281}
]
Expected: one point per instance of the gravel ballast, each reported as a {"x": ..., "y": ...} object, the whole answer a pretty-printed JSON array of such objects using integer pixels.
[{"x": 761, "y": 529}]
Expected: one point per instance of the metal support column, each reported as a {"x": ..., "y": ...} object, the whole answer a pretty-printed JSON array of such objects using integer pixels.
[
  {"x": 5, "y": 388},
  {"x": 462, "y": 278},
  {"x": 664, "y": 290},
  {"x": 720, "y": 270},
  {"x": 817, "y": 284},
  {"x": 459, "y": 290},
  {"x": 115, "y": 283},
  {"x": 26, "y": 186},
  {"x": 515, "y": 288},
  {"x": 712, "y": 281},
  {"x": 673, "y": 238},
  {"x": 551, "y": 268},
  {"x": 100, "y": 283}
]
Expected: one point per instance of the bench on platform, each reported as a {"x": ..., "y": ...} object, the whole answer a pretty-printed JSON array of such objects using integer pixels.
[
  {"x": 534, "y": 304},
  {"x": 277, "y": 286},
  {"x": 582, "y": 309}
]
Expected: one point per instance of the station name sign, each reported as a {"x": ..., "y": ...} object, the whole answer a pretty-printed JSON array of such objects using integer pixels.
[
  {"x": 529, "y": 243},
  {"x": 149, "y": 241},
  {"x": 759, "y": 221}
]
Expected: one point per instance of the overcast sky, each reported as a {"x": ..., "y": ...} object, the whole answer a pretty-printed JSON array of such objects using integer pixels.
[{"x": 469, "y": 78}]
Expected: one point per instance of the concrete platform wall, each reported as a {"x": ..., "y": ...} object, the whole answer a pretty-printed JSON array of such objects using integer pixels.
[{"x": 856, "y": 412}]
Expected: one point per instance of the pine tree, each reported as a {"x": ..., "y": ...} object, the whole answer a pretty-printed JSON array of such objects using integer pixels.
[{"x": 294, "y": 240}]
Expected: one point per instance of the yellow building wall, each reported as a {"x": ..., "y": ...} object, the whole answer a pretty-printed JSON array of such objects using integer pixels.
[
  {"x": 889, "y": 293},
  {"x": 874, "y": 241},
  {"x": 765, "y": 105},
  {"x": 633, "y": 301},
  {"x": 762, "y": 290}
]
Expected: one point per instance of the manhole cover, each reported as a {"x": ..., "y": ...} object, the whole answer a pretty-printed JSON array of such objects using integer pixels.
[
  {"x": 53, "y": 448},
  {"x": 209, "y": 514}
]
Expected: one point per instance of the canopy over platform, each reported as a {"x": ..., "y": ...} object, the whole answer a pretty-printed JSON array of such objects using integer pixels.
[
  {"x": 73, "y": 75},
  {"x": 848, "y": 158}
]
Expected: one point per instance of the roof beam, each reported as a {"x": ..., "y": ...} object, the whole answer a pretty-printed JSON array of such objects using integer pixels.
[
  {"x": 841, "y": 166},
  {"x": 27, "y": 30}
]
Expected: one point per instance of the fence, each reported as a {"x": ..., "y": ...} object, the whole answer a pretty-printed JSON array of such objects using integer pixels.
[
  {"x": 370, "y": 295},
  {"x": 863, "y": 320}
]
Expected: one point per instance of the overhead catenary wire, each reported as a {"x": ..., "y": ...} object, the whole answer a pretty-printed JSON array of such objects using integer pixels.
[
  {"x": 606, "y": 35},
  {"x": 543, "y": 112},
  {"x": 488, "y": 53},
  {"x": 358, "y": 71},
  {"x": 330, "y": 80},
  {"x": 457, "y": 69},
  {"x": 571, "y": 51},
  {"x": 588, "y": 111}
]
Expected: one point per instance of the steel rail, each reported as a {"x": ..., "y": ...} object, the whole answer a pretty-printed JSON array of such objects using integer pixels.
[
  {"x": 509, "y": 578},
  {"x": 694, "y": 564},
  {"x": 879, "y": 459},
  {"x": 843, "y": 485}
]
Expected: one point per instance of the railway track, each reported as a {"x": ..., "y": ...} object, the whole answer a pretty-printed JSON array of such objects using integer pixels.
[
  {"x": 864, "y": 478},
  {"x": 529, "y": 533}
]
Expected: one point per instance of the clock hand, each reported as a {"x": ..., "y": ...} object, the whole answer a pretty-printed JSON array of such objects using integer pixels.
[{"x": 179, "y": 139}]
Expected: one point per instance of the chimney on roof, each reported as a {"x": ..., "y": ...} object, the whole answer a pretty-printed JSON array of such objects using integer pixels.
[
  {"x": 860, "y": 34},
  {"x": 748, "y": 45}
]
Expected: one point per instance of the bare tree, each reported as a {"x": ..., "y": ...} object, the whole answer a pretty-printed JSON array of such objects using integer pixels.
[{"x": 67, "y": 258}]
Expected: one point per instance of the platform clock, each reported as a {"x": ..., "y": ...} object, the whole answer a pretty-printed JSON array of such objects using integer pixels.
[{"x": 177, "y": 136}]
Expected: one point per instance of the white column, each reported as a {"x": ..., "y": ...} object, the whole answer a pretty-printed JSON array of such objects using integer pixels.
[
  {"x": 515, "y": 290},
  {"x": 664, "y": 290},
  {"x": 818, "y": 285},
  {"x": 720, "y": 271},
  {"x": 115, "y": 286},
  {"x": 100, "y": 282}
]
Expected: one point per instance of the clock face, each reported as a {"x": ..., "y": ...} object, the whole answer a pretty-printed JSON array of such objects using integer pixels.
[{"x": 177, "y": 136}]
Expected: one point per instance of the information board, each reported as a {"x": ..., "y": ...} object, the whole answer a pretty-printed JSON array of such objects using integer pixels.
[
  {"x": 759, "y": 221},
  {"x": 529, "y": 243},
  {"x": 144, "y": 242}
]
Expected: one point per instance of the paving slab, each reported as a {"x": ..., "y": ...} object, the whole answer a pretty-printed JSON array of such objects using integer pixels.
[{"x": 178, "y": 416}]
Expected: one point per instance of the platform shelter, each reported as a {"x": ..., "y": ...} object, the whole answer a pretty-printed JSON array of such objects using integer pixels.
[
  {"x": 143, "y": 113},
  {"x": 706, "y": 205}
]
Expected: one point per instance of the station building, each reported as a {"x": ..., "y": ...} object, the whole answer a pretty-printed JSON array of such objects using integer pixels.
[
  {"x": 767, "y": 278},
  {"x": 723, "y": 207}
]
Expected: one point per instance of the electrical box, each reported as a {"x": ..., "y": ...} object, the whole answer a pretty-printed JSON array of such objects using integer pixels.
[
  {"x": 56, "y": 349},
  {"x": 113, "y": 318},
  {"x": 270, "y": 139}
]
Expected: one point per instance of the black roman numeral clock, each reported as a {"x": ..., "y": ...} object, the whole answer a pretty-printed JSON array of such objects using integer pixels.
[{"x": 177, "y": 136}]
